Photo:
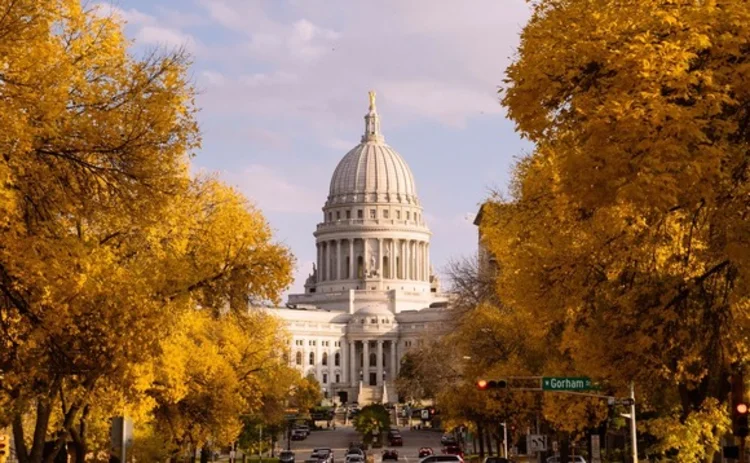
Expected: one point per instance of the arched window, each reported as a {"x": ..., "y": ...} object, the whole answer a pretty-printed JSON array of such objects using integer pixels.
[
  {"x": 312, "y": 358},
  {"x": 337, "y": 360},
  {"x": 324, "y": 360},
  {"x": 298, "y": 359},
  {"x": 373, "y": 360}
]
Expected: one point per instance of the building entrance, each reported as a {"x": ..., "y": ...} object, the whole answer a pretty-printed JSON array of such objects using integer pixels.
[{"x": 373, "y": 379}]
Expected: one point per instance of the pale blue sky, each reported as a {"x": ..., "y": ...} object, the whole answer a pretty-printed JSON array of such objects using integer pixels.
[{"x": 284, "y": 90}]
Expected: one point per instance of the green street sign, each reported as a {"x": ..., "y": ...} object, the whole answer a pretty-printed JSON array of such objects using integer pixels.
[{"x": 567, "y": 384}]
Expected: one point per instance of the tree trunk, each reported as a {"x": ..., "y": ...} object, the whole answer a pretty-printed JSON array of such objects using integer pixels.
[
  {"x": 480, "y": 436},
  {"x": 79, "y": 436},
  {"x": 488, "y": 436},
  {"x": 565, "y": 448}
]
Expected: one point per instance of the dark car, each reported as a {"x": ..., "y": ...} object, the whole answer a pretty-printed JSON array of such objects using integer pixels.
[
  {"x": 453, "y": 450},
  {"x": 395, "y": 439},
  {"x": 286, "y": 456},
  {"x": 390, "y": 455},
  {"x": 425, "y": 451},
  {"x": 298, "y": 434},
  {"x": 448, "y": 439}
]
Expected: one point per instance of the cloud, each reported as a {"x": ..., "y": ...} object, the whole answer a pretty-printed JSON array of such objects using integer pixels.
[
  {"x": 157, "y": 35},
  {"x": 273, "y": 191},
  {"x": 212, "y": 78},
  {"x": 439, "y": 61}
]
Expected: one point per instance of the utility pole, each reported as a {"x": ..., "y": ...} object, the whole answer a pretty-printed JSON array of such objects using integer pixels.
[
  {"x": 633, "y": 435},
  {"x": 505, "y": 439}
]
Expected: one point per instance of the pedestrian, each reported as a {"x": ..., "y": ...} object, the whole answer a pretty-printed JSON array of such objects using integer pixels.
[{"x": 232, "y": 455}]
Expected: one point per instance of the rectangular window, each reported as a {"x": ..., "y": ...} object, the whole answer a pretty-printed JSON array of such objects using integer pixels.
[
  {"x": 385, "y": 213},
  {"x": 408, "y": 215},
  {"x": 360, "y": 214},
  {"x": 325, "y": 378},
  {"x": 338, "y": 215},
  {"x": 348, "y": 214},
  {"x": 398, "y": 215},
  {"x": 338, "y": 379},
  {"x": 373, "y": 214}
]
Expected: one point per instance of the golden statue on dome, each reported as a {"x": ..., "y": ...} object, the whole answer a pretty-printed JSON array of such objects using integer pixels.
[{"x": 371, "y": 94}]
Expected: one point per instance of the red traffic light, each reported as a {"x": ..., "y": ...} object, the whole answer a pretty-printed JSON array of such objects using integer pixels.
[
  {"x": 741, "y": 408},
  {"x": 483, "y": 384}
]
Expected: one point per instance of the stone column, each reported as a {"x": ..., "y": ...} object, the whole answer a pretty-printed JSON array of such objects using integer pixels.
[
  {"x": 328, "y": 261},
  {"x": 319, "y": 362},
  {"x": 380, "y": 362},
  {"x": 319, "y": 275},
  {"x": 365, "y": 259},
  {"x": 408, "y": 259},
  {"x": 338, "y": 259},
  {"x": 427, "y": 261},
  {"x": 394, "y": 371},
  {"x": 380, "y": 258},
  {"x": 351, "y": 259},
  {"x": 393, "y": 259},
  {"x": 352, "y": 363},
  {"x": 366, "y": 362},
  {"x": 402, "y": 253}
]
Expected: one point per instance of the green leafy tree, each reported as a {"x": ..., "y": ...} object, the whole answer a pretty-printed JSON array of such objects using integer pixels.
[{"x": 372, "y": 420}]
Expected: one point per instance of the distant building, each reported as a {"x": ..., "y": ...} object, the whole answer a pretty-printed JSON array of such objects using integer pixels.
[
  {"x": 487, "y": 262},
  {"x": 372, "y": 294}
]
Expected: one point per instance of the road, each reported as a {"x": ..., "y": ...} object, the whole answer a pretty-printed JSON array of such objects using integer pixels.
[{"x": 339, "y": 441}]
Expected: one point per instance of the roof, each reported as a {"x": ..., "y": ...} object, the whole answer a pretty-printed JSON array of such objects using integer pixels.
[
  {"x": 372, "y": 171},
  {"x": 373, "y": 310}
]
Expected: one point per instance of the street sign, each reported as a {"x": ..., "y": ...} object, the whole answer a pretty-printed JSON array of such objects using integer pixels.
[
  {"x": 596, "y": 454},
  {"x": 537, "y": 443},
  {"x": 567, "y": 384}
]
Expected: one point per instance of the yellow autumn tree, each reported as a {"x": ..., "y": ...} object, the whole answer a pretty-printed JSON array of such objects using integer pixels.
[
  {"x": 104, "y": 239},
  {"x": 627, "y": 231}
]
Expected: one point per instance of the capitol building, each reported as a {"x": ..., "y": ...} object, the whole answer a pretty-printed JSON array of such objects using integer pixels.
[{"x": 372, "y": 294}]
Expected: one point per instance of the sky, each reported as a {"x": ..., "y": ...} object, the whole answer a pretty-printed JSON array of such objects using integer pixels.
[{"x": 283, "y": 91}]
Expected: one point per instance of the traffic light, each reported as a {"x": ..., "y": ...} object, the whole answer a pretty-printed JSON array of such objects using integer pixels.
[
  {"x": 4, "y": 447},
  {"x": 740, "y": 409},
  {"x": 740, "y": 420},
  {"x": 484, "y": 384}
]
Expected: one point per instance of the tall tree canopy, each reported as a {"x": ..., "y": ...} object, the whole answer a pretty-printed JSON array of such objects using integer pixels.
[
  {"x": 627, "y": 235},
  {"x": 105, "y": 240}
]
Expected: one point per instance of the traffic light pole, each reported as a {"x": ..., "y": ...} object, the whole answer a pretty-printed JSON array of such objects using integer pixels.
[{"x": 633, "y": 435}]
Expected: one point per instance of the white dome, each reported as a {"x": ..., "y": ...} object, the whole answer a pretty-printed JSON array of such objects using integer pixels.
[{"x": 372, "y": 171}]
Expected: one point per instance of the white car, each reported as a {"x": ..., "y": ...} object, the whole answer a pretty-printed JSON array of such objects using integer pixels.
[{"x": 571, "y": 459}]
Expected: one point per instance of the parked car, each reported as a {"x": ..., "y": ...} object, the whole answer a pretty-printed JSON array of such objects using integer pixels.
[
  {"x": 304, "y": 428},
  {"x": 442, "y": 459},
  {"x": 395, "y": 439},
  {"x": 324, "y": 454},
  {"x": 571, "y": 459},
  {"x": 354, "y": 458},
  {"x": 298, "y": 434},
  {"x": 498, "y": 460},
  {"x": 355, "y": 448},
  {"x": 286, "y": 456},
  {"x": 448, "y": 439},
  {"x": 390, "y": 455},
  {"x": 453, "y": 450},
  {"x": 425, "y": 452}
]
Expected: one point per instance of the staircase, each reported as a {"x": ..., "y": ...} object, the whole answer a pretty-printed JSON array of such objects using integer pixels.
[{"x": 374, "y": 394}]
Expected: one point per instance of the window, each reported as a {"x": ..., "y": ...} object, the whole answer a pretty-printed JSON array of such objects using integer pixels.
[
  {"x": 330, "y": 216},
  {"x": 360, "y": 214},
  {"x": 337, "y": 360},
  {"x": 373, "y": 213},
  {"x": 338, "y": 215},
  {"x": 398, "y": 215},
  {"x": 325, "y": 378},
  {"x": 348, "y": 214},
  {"x": 324, "y": 360},
  {"x": 385, "y": 213},
  {"x": 408, "y": 215},
  {"x": 374, "y": 320},
  {"x": 298, "y": 359},
  {"x": 338, "y": 378},
  {"x": 373, "y": 360},
  {"x": 312, "y": 358}
]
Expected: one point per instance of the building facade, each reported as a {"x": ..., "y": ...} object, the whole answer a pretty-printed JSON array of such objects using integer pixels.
[{"x": 372, "y": 294}]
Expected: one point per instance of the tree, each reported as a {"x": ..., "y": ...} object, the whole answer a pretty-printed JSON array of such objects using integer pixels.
[
  {"x": 626, "y": 234},
  {"x": 306, "y": 394},
  {"x": 105, "y": 241},
  {"x": 372, "y": 420}
]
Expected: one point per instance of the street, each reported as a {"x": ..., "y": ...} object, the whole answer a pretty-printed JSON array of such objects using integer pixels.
[{"x": 339, "y": 441}]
